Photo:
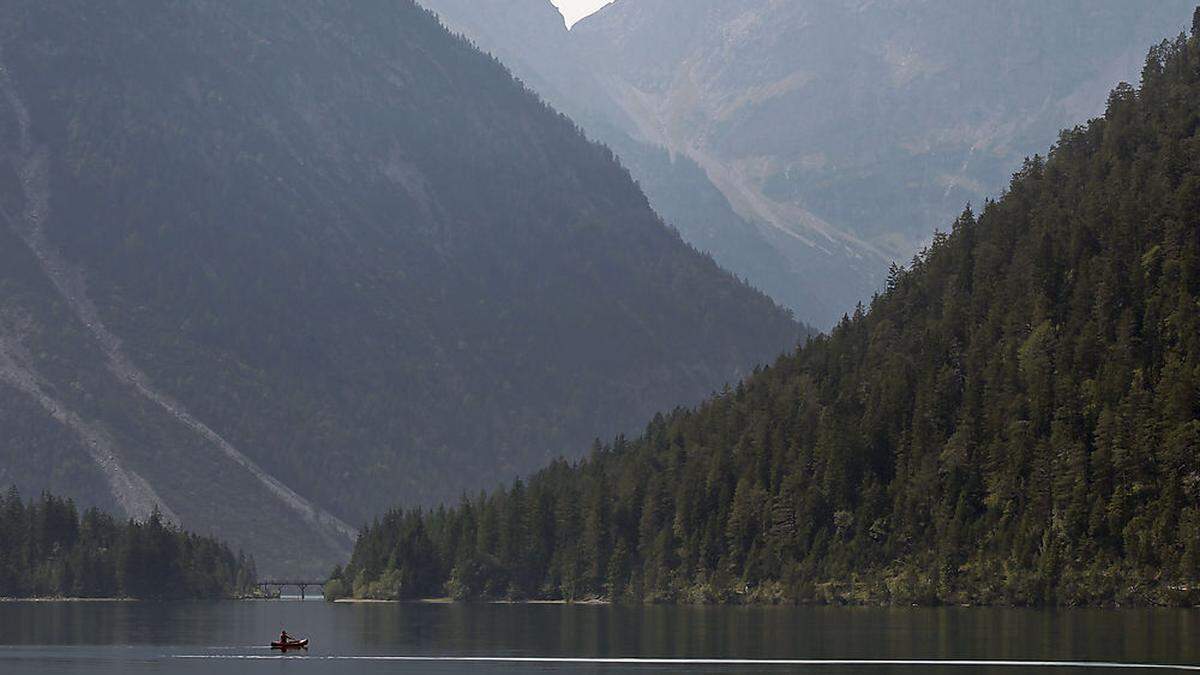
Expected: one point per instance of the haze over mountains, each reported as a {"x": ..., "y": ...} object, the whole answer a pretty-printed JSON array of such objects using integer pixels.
[
  {"x": 281, "y": 265},
  {"x": 807, "y": 144}
]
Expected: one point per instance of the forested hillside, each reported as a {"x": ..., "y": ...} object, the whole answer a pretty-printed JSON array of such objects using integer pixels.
[
  {"x": 1014, "y": 421},
  {"x": 49, "y": 549},
  {"x": 293, "y": 261}
]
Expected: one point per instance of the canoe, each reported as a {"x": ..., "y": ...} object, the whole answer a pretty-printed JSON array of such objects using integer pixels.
[{"x": 290, "y": 644}]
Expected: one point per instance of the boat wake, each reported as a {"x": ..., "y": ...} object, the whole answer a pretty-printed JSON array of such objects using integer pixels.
[{"x": 619, "y": 661}]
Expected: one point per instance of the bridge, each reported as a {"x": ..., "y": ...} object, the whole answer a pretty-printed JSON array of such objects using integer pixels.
[{"x": 302, "y": 584}]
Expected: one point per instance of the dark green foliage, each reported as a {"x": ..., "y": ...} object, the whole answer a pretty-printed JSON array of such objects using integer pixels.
[
  {"x": 47, "y": 549},
  {"x": 1015, "y": 420}
]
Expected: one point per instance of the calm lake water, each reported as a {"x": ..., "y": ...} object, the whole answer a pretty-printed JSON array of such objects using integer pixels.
[{"x": 226, "y": 637}]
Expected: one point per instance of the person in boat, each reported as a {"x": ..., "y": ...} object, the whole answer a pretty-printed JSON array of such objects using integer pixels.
[{"x": 284, "y": 638}]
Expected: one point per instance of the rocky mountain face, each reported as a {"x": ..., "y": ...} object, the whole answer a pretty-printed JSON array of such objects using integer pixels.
[
  {"x": 274, "y": 267},
  {"x": 838, "y": 133},
  {"x": 528, "y": 36}
]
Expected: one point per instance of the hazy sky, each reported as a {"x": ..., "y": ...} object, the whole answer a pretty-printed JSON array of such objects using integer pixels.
[{"x": 574, "y": 10}]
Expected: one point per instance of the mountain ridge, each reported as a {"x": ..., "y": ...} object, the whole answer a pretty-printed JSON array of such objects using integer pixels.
[
  {"x": 837, "y": 135},
  {"x": 299, "y": 260}
]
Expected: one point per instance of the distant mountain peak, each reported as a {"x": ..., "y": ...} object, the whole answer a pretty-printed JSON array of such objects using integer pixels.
[{"x": 839, "y": 133}]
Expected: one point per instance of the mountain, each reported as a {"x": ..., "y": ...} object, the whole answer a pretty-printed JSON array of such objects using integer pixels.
[
  {"x": 1013, "y": 421},
  {"x": 276, "y": 267},
  {"x": 837, "y": 133},
  {"x": 528, "y": 36}
]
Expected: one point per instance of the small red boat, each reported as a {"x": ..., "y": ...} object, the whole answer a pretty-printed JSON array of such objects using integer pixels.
[{"x": 290, "y": 644}]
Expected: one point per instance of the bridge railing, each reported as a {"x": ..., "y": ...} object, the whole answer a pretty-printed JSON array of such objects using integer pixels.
[{"x": 301, "y": 584}]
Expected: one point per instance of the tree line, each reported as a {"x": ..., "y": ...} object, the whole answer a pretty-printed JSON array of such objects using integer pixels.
[
  {"x": 1014, "y": 420},
  {"x": 49, "y": 549}
]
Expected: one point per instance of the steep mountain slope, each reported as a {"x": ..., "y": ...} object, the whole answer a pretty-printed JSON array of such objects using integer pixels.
[
  {"x": 528, "y": 36},
  {"x": 1015, "y": 420},
  {"x": 853, "y": 128},
  {"x": 839, "y": 133},
  {"x": 296, "y": 262}
]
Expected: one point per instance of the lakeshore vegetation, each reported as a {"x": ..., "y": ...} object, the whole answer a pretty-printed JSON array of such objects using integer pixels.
[
  {"x": 49, "y": 549},
  {"x": 1013, "y": 421}
]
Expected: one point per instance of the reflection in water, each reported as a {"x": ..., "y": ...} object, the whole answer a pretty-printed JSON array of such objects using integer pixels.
[{"x": 101, "y": 638}]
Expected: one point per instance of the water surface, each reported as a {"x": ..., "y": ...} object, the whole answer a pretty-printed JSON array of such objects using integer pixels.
[{"x": 99, "y": 638}]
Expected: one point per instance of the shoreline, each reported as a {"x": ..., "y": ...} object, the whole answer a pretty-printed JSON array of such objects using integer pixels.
[
  {"x": 451, "y": 601},
  {"x": 68, "y": 599},
  {"x": 604, "y": 602},
  {"x": 72, "y": 598}
]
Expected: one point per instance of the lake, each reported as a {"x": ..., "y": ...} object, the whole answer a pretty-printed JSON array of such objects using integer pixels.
[{"x": 99, "y": 638}]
